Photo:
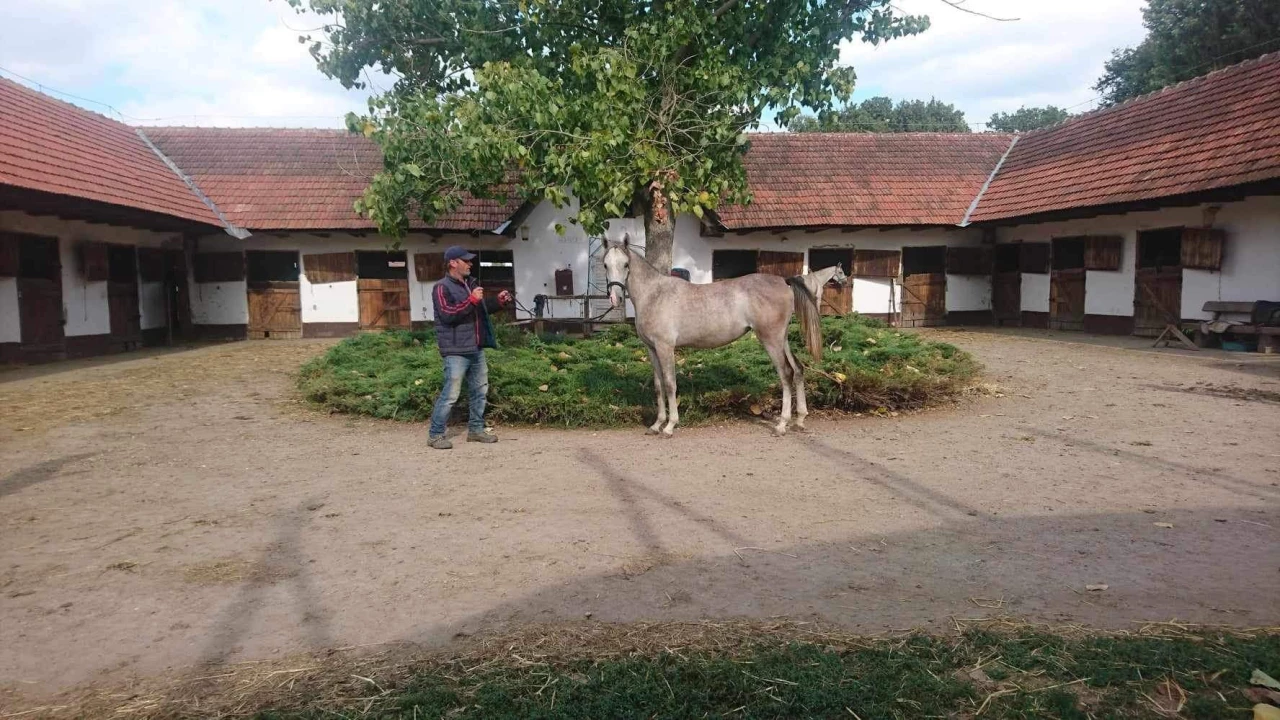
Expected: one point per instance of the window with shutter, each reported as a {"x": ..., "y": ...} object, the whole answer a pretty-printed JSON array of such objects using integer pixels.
[
  {"x": 1202, "y": 248},
  {"x": 428, "y": 267},
  {"x": 876, "y": 263},
  {"x": 329, "y": 267},
  {"x": 1103, "y": 252}
]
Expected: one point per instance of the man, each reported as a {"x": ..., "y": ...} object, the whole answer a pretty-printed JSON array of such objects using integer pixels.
[{"x": 463, "y": 331}]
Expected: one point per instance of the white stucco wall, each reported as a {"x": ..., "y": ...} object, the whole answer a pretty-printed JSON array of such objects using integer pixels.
[
  {"x": 10, "y": 320},
  {"x": 1251, "y": 259},
  {"x": 968, "y": 292},
  {"x": 84, "y": 303},
  {"x": 1035, "y": 292},
  {"x": 1250, "y": 262}
]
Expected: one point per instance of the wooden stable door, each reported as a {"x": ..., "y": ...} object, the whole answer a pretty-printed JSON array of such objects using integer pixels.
[
  {"x": 782, "y": 264},
  {"x": 837, "y": 299},
  {"x": 39, "y": 280},
  {"x": 924, "y": 300},
  {"x": 124, "y": 308},
  {"x": 383, "y": 303},
  {"x": 1006, "y": 298},
  {"x": 275, "y": 310},
  {"x": 1157, "y": 299},
  {"x": 1066, "y": 299}
]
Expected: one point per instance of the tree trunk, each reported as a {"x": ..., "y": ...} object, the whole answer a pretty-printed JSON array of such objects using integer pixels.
[{"x": 659, "y": 234}]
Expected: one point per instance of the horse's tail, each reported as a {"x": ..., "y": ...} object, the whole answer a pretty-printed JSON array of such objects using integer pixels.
[{"x": 809, "y": 314}]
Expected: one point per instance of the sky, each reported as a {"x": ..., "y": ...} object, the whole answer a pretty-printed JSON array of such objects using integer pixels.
[{"x": 239, "y": 62}]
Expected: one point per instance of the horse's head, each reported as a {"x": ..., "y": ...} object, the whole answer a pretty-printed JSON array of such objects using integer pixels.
[
  {"x": 840, "y": 277},
  {"x": 617, "y": 267}
]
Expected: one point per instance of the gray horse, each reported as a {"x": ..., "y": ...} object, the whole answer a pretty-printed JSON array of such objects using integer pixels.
[{"x": 672, "y": 313}]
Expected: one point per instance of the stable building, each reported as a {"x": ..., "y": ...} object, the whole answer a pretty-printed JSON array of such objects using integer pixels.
[{"x": 1159, "y": 211}]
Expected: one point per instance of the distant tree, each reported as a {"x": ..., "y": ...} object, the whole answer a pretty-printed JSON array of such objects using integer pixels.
[
  {"x": 1025, "y": 119},
  {"x": 882, "y": 115},
  {"x": 1189, "y": 38}
]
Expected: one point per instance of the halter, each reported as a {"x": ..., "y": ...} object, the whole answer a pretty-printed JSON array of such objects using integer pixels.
[{"x": 609, "y": 286}]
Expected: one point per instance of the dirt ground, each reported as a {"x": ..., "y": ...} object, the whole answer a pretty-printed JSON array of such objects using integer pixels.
[{"x": 161, "y": 512}]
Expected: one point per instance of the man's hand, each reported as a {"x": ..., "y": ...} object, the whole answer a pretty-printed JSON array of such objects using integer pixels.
[
  {"x": 477, "y": 295},
  {"x": 504, "y": 297}
]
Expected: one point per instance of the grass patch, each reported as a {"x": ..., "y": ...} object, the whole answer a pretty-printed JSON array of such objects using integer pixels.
[
  {"x": 751, "y": 670},
  {"x": 606, "y": 380}
]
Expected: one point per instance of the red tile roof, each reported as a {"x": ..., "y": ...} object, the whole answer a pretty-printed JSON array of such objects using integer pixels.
[
  {"x": 51, "y": 146},
  {"x": 295, "y": 179},
  {"x": 808, "y": 179},
  {"x": 1216, "y": 131}
]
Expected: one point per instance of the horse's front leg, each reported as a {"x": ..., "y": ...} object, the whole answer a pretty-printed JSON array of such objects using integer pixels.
[
  {"x": 666, "y": 355},
  {"x": 659, "y": 391}
]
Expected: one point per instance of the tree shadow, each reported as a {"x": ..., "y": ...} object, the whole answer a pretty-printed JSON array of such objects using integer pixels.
[
  {"x": 283, "y": 561},
  {"x": 38, "y": 473},
  {"x": 909, "y": 491},
  {"x": 1234, "y": 484}
]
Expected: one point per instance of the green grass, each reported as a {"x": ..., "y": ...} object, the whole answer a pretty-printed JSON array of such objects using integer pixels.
[
  {"x": 606, "y": 380},
  {"x": 1029, "y": 674}
]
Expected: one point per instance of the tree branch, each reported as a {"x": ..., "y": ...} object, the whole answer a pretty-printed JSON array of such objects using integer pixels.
[{"x": 957, "y": 3}]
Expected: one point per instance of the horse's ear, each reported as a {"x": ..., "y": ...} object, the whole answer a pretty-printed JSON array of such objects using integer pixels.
[{"x": 626, "y": 240}]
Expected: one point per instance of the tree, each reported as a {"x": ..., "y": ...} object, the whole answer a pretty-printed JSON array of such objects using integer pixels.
[
  {"x": 1189, "y": 38},
  {"x": 880, "y": 114},
  {"x": 1025, "y": 119},
  {"x": 636, "y": 107}
]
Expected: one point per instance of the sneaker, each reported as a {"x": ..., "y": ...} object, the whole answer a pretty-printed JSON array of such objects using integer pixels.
[
  {"x": 441, "y": 443},
  {"x": 481, "y": 437}
]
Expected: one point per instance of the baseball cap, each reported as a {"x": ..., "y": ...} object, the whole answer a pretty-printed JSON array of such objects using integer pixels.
[{"x": 456, "y": 252}]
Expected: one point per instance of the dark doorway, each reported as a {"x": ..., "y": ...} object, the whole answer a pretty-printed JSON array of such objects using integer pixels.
[
  {"x": 924, "y": 286},
  {"x": 726, "y": 264},
  {"x": 836, "y": 299},
  {"x": 1157, "y": 299},
  {"x": 382, "y": 283},
  {"x": 274, "y": 294},
  {"x": 1067, "y": 284},
  {"x": 122, "y": 296},
  {"x": 495, "y": 271},
  {"x": 1006, "y": 285},
  {"x": 39, "y": 292}
]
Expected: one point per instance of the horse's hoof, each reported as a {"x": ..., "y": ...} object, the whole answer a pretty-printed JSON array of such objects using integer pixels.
[
  {"x": 651, "y": 431},
  {"x": 779, "y": 431},
  {"x": 667, "y": 434}
]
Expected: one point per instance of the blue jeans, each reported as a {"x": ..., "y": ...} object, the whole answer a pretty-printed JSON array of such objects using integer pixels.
[{"x": 476, "y": 370}]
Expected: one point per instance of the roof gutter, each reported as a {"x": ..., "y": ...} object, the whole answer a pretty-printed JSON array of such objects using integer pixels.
[
  {"x": 231, "y": 229},
  {"x": 973, "y": 206}
]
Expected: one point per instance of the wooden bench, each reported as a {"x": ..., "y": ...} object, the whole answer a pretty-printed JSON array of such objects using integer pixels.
[{"x": 1230, "y": 312}]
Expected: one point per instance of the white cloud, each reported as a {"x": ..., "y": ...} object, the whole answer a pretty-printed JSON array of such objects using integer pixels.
[
  {"x": 238, "y": 62},
  {"x": 193, "y": 62},
  {"x": 1052, "y": 54}
]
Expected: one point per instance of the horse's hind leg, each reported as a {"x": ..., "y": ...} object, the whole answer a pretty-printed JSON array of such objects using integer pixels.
[
  {"x": 777, "y": 349},
  {"x": 659, "y": 391},
  {"x": 797, "y": 372},
  {"x": 666, "y": 356}
]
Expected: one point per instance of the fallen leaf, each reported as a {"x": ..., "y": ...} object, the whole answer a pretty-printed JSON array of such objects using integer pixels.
[
  {"x": 543, "y": 388},
  {"x": 1096, "y": 588},
  {"x": 840, "y": 377},
  {"x": 1263, "y": 679},
  {"x": 1266, "y": 712},
  {"x": 563, "y": 356},
  {"x": 1262, "y": 695},
  {"x": 1163, "y": 525}
]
